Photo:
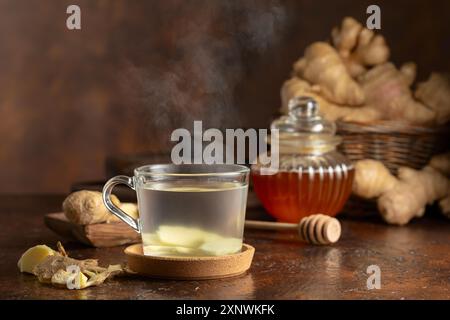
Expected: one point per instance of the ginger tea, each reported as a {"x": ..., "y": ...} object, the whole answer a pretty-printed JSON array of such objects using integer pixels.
[{"x": 188, "y": 218}]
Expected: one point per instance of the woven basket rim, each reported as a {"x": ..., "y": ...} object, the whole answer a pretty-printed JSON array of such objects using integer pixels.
[{"x": 389, "y": 126}]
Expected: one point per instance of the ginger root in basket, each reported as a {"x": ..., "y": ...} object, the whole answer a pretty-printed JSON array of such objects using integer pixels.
[
  {"x": 355, "y": 72},
  {"x": 323, "y": 67},
  {"x": 403, "y": 197},
  {"x": 296, "y": 87},
  {"x": 54, "y": 267},
  {"x": 387, "y": 89},
  {"x": 409, "y": 72},
  {"x": 359, "y": 47},
  {"x": 435, "y": 93}
]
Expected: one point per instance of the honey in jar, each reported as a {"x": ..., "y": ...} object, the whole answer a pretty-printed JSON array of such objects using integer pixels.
[{"x": 313, "y": 177}]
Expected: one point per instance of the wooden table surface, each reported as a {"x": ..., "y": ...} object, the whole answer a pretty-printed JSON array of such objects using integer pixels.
[{"x": 414, "y": 262}]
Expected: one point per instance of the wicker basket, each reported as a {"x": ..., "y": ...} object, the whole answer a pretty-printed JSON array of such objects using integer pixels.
[{"x": 394, "y": 144}]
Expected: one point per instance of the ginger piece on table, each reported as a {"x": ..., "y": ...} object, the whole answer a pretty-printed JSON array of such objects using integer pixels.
[
  {"x": 415, "y": 190},
  {"x": 52, "y": 264},
  {"x": 372, "y": 179},
  {"x": 444, "y": 204},
  {"x": 359, "y": 47},
  {"x": 323, "y": 67},
  {"x": 400, "y": 198},
  {"x": 52, "y": 267},
  {"x": 98, "y": 278},
  {"x": 435, "y": 93},
  {"x": 55, "y": 271},
  {"x": 86, "y": 207},
  {"x": 387, "y": 89},
  {"x": 62, "y": 277},
  {"x": 441, "y": 163}
]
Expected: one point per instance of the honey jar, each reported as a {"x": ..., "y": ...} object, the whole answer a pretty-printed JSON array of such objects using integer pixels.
[{"x": 313, "y": 177}]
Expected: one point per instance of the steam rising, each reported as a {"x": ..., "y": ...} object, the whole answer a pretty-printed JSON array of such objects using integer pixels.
[{"x": 194, "y": 75}]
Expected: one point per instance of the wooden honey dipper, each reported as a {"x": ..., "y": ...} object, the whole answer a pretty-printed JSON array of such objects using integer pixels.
[{"x": 316, "y": 229}]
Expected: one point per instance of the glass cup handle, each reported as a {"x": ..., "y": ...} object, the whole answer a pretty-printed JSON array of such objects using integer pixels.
[{"x": 107, "y": 189}]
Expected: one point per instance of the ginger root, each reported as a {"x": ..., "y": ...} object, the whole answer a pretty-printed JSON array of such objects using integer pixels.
[
  {"x": 400, "y": 198},
  {"x": 444, "y": 204},
  {"x": 441, "y": 163},
  {"x": 387, "y": 89},
  {"x": 372, "y": 179},
  {"x": 409, "y": 72},
  {"x": 52, "y": 267},
  {"x": 296, "y": 87},
  {"x": 359, "y": 47},
  {"x": 435, "y": 93},
  {"x": 86, "y": 207},
  {"x": 323, "y": 67},
  {"x": 356, "y": 73}
]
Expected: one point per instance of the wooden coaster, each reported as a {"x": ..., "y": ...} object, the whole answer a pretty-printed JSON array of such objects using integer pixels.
[{"x": 189, "y": 268}]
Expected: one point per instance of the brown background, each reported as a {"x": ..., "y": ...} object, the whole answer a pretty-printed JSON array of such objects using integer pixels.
[{"x": 139, "y": 69}]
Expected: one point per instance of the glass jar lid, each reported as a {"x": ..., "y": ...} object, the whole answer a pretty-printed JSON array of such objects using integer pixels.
[{"x": 303, "y": 129}]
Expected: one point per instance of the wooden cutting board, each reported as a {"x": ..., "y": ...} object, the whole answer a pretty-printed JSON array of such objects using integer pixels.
[{"x": 96, "y": 235}]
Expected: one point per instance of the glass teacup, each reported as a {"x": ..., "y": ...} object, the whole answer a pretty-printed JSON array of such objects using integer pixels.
[{"x": 186, "y": 210}]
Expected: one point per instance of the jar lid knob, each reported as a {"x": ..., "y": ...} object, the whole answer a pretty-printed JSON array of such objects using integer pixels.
[
  {"x": 303, "y": 107},
  {"x": 304, "y": 118}
]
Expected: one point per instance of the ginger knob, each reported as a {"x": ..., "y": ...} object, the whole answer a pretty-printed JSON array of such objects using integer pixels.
[
  {"x": 86, "y": 207},
  {"x": 323, "y": 67},
  {"x": 319, "y": 229},
  {"x": 403, "y": 197}
]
